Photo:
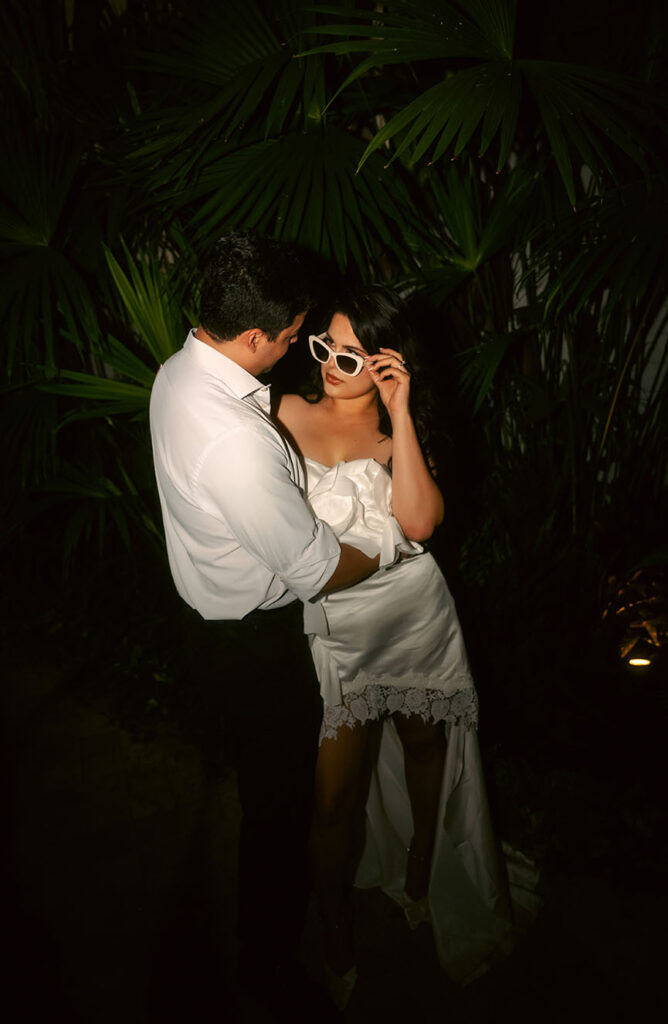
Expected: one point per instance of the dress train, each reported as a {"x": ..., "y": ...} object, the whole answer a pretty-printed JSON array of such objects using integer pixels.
[{"x": 476, "y": 915}]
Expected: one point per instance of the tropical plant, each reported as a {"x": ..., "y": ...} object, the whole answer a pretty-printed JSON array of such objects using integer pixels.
[{"x": 507, "y": 175}]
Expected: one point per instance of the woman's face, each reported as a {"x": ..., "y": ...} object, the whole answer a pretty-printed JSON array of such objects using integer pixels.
[{"x": 342, "y": 338}]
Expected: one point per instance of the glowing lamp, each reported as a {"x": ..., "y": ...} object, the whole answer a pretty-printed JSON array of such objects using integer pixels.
[{"x": 641, "y": 654}]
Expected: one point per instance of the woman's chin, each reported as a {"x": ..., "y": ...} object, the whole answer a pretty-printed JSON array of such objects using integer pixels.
[{"x": 332, "y": 387}]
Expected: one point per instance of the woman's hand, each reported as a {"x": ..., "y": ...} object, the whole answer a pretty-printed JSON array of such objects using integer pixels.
[{"x": 391, "y": 377}]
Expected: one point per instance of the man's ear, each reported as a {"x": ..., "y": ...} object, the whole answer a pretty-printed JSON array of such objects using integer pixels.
[{"x": 252, "y": 337}]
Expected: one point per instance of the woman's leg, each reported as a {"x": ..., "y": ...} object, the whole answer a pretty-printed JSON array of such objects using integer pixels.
[
  {"x": 424, "y": 757},
  {"x": 337, "y": 836}
]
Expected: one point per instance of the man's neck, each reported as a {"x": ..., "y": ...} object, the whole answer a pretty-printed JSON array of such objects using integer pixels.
[
  {"x": 236, "y": 352},
  {"x": 208, "y": 339}
]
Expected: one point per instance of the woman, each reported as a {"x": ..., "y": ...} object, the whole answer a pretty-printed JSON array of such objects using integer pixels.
[{"x": 388, "y": 651}]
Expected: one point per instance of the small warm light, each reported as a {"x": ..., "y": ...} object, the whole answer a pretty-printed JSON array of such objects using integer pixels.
[{"x": 641, "y": 654}]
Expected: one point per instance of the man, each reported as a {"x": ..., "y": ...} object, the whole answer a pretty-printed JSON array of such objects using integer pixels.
[{"x": 243, "y": 545}]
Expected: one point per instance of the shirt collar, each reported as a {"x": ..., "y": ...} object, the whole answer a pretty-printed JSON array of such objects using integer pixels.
[{"x": 239, "y": 381}]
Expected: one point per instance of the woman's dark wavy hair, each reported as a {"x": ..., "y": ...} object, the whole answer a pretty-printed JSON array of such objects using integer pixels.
[{"x": 381, "y": 319}]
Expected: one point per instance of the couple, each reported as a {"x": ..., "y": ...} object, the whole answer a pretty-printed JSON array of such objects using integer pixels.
[{"x": 310, "y": 522}]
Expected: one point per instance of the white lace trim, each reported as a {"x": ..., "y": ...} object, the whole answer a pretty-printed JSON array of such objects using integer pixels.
[{"x": 376, "y": 700}]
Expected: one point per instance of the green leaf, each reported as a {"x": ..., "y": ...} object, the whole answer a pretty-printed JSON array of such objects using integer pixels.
[
  {"x": 246, "y": 82},
  {"x": 582, "y": 111},
  {"x": 151, "y": 297},
  {"x": 125, "y": 362},
  {"x": 480, "y": 372},
  {"x": 409, "y": 30},
  {"x": 109, "y": 397},
  {"x": 586, "y": 107},
  {"x": 303, "y": 187},
  {"x": 224, "y": 38},
  {"x": 45, "y": 227}
]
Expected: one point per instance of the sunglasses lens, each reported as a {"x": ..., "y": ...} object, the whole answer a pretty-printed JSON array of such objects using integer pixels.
[
  {"x": 321, "y": 351},
  {"x": 347, "y": 364},
  {"x": 350, "y": 365}
]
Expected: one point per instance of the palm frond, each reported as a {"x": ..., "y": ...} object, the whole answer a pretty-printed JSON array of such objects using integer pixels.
[
  {"x": 471, "y": 224},
  {"x": 30, "y": 418},
  {"x": 242, "y": 77},
  {"x": 95, "y": 501},
  {"x": 614, "y": 245},
  {"x": 479, "y": 372},
  {"x": 585, "y": 113},
  {"x": 45, "y": 287},
  {"x": 225, "y": 38},
  {"x": 411, "y": 30},
  {"x": 105, "y": 393},
  {"x": 108, "y": 397},
  {"x": 304, "y": 188},
  {"x": 151, "y": 296}
]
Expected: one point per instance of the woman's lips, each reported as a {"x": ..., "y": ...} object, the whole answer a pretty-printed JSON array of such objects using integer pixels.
[{"x": 332, "y": 380}]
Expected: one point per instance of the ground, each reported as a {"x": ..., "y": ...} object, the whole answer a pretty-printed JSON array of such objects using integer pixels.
[{"x": 120, "y": 903}]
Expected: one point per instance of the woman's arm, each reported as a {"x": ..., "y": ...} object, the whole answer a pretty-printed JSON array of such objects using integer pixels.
[{"x": 417, "y": 502}]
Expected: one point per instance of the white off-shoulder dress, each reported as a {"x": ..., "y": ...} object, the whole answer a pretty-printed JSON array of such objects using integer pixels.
[{"x": 393, "y": 644}]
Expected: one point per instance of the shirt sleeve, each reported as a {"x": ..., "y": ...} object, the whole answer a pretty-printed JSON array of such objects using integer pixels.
[{"x": 246, "y": 479}]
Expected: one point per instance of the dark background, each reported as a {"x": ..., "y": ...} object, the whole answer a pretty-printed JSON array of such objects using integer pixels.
[{"x": 533, "y": 256}]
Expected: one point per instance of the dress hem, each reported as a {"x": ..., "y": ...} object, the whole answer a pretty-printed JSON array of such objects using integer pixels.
[{"x": 376, "y": 701}]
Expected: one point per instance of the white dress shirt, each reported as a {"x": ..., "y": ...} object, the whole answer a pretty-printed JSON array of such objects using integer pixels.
[{"x": 239, "y": 533}]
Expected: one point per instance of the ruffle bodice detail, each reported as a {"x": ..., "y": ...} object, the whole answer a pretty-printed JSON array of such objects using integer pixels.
[{"x": 355, "y": 498}]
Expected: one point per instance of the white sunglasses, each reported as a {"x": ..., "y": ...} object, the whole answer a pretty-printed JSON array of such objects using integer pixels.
[{"x": 346, "y": 362}]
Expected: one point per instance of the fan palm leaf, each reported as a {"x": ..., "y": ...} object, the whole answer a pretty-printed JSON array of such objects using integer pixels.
[
  {"x": 478, "y": 221},
  {"x": 583, "y": 112},
  {"x": 615, "y": 244},
  {"x": 303, "y": 187},
  {"x": 240, "y": 75},
  {"x": 152, "y": 295},
  {"x": 48, "y": 228},
  {"x": 108, "y": 397},
  {"x": 482, "y": 365},
  {"x": 95, "y": 500}
]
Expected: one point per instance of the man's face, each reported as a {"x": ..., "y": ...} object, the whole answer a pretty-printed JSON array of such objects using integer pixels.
[{"x": 271, "y": 351}]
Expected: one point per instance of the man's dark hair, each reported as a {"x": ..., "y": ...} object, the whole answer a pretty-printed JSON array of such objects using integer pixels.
[{"x": 250, "y": 281}]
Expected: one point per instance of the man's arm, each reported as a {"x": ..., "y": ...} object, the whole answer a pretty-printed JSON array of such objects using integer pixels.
[
  {"x": 354, "y": 566},
  {"x": 246, "y": 478}
]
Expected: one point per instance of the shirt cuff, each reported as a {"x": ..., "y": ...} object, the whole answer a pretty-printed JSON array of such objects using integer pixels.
[{"x": 316, "y": 565}]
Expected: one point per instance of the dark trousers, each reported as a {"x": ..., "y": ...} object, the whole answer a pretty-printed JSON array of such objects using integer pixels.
[{"x": 266, "y": 691}]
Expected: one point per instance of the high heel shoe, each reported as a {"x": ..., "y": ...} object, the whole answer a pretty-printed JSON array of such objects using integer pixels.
[
  {"x": 340, "y": 986},
  {"x": 416, "y": 912}
]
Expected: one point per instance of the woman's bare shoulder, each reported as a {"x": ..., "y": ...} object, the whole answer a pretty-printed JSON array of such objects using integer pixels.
[
  {"x": 292, "y": 402},
  {"x": 292, "y": 408}
]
